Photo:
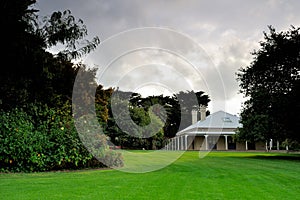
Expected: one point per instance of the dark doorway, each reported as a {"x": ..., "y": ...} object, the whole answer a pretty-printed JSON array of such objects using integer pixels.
[
  {"x": 212, "y": 146},
  {"x": 232, "y": 146},
  {"x": 231, "y": 143},
  {"x": 251, "y": 146}
]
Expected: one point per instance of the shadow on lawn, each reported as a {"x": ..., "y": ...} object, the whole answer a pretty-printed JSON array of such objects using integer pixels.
[{"x": 291, "y": 157}]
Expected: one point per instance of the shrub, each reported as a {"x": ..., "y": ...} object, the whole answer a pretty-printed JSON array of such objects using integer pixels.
[
  {"x": 39, "y": 138},
  {"x": 20, "y": 145}
]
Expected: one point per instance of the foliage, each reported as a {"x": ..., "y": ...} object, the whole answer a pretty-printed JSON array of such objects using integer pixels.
[
  {"x": 188, "y": 101},
  {"x": 271, "y": 82},
  {"x": 259, "y": 132},
  {"x": 41, "y": 139},
  {"x": 94, "y": 139},
  {"x": 132, "y": 126},
  {"x": 46, "y": 139},
  {"x": 62, "y": 27},
  {"x": 142, "y": 111},
  {"x": 37, "y": 129},
  {"x": 34, "y": 74}
]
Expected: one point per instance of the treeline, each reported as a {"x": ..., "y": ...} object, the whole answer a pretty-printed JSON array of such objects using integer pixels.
[{"x": 173, "y": 115}]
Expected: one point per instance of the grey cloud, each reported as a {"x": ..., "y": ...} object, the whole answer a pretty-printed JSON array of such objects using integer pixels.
[{"x": 227, "y": 30}]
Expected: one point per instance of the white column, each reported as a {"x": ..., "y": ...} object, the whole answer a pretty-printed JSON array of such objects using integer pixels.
[
  {"x": 186, "y": 142},
  {"x": 206, "y": 142},
  {"x": 226, "y": 144},
  {"x": 246, "y": 145},
  {"x": 178, "y": 143},
  {"x": 277, "y": 145}
]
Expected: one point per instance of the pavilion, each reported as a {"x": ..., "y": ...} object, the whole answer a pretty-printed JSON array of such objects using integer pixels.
[{"x": 213, "y": 132}]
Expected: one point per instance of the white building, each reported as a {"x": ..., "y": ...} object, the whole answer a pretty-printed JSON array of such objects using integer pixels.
[{"x": 213, "y": 132}]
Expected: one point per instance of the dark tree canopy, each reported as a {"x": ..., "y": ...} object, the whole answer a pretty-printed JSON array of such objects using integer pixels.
[
  {"x": 30, "y": 72},
  {"x": 271, "y": 82},
  {"x": 37, "y": 129}
]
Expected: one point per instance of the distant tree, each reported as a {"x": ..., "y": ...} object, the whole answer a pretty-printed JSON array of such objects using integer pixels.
[
  {"x": 271, "y": 82},
  {"x": 141, "y": 110},
  {"x": 132, "y": 125},
  {"x": 188, "y": 101}
]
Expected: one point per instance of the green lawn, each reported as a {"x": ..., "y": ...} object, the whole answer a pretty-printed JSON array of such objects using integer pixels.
[{"x": 219, "y": 175}]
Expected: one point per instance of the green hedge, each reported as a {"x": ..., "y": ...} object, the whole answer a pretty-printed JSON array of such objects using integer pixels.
[{"x": 39, "y": 138}]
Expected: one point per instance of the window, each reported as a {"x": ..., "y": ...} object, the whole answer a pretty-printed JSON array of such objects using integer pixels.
[{"x": 226, "y": 119}]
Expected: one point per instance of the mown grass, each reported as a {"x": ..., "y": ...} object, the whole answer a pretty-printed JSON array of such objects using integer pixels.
[{"x": 219, "y": 175}]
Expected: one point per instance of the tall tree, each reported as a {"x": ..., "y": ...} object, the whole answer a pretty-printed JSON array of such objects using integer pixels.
[
  {"x": 31, "y": 73},
  {"x": 271, "y": 83}
]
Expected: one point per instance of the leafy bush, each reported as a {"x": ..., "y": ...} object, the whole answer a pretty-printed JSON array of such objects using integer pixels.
[
  {"x": 95, "y": 140},
  {"x": 39, "y": 138},
  {"x": 17, "y": 140}
]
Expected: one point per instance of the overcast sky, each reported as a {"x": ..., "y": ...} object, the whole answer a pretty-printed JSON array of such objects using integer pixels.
[{"x": 226, "y": 32}]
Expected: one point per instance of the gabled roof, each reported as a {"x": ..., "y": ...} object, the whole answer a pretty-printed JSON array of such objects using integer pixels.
[{"x": 217, "y": 120}]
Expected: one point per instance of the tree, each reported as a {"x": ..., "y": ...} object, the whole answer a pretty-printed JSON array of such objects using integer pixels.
[
  {"x": 145, "y": 111},
  {"x": 31, "y": 73},
  {"x": 188, "y": 101},
  {"x": 36, "y": 89},
  {"x": 132, "y": 124},
  {"x": 271, "y": 83}
]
